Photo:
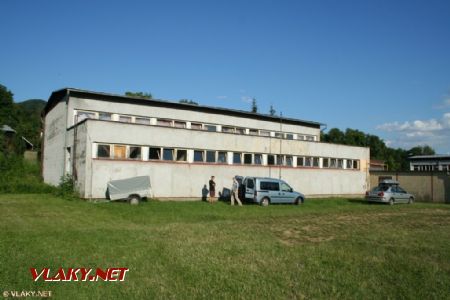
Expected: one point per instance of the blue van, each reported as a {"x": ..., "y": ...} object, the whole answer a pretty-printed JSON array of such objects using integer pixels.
[{"x": 265, "y": 191}]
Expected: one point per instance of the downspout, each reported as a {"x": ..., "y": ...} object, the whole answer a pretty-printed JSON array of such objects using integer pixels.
[{"x": 281, "y": 141}]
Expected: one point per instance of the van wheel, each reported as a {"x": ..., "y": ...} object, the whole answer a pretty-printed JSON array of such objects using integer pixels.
[
  {"x": 265, "y": 201},
  {"x": 299, "y": 201},
  {"x": 134, "y": 199},
  {"x": 391, "y": 201},
  {"x": 411, "y": 200}
]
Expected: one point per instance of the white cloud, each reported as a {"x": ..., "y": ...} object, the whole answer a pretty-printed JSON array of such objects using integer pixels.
[
  {"x": 247, "y": 99},
  {"x": 418, "y": 125},
  {"x": 433, "y": 132},
  {"x": 445, "y": 102}
]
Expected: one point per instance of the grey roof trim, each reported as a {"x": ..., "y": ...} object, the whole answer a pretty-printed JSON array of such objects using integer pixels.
[
  {"x": 60, "y": 95},
  {"x": 436, "y": 156}
]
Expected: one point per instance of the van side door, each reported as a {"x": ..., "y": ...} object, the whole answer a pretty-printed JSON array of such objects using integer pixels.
[
  {"x": 249, "y": 186},
  {"x": 287, "y": 194}
]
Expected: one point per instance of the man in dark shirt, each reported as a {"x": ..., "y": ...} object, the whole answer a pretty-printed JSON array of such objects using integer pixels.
[{"x": 212, "y": 189}]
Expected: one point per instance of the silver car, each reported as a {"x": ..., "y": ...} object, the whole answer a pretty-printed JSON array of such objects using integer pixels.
[{"x": 389, "y": 191}]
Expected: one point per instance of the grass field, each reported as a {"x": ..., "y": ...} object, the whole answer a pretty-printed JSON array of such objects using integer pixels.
[{"x": 333, "y": 248}]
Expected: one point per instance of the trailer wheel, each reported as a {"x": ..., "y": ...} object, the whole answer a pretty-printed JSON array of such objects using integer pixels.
[{"x": 134, "y": 199}]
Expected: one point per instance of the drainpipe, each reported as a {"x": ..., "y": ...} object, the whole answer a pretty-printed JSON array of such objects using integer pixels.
[
  {"x": 281, "y": 141},
  {"x": 432, "y": 188}
]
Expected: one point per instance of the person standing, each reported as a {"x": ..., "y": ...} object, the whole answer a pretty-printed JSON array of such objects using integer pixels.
[
  {"x": 212, "y": 189},
  {"x": 235, "y": 192}
]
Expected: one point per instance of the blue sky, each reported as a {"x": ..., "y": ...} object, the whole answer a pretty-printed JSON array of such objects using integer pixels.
[{"x": 379, "y": 66}]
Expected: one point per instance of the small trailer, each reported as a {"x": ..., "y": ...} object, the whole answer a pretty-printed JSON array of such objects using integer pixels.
[{"x": 132, "y": 189}]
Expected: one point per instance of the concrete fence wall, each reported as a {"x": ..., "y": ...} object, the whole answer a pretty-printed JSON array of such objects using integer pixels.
[{"x": 426, "y": 186}]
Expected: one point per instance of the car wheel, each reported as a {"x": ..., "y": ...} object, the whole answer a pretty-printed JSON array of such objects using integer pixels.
[
  {"x": 411, "y": 200},
  {"x": 391, "y": 201},
  {"x": 265, "y": 201},
  {"x": 299, "y": 201},
  {"x": 134, "y": 200}
]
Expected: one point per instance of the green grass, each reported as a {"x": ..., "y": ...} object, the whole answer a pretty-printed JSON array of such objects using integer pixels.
[{"x": 333, "y": 248}]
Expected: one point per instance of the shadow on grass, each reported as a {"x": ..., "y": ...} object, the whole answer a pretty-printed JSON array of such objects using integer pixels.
[{"x": 361, "y": 201}]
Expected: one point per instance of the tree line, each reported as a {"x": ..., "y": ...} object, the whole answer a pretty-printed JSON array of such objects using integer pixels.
[{"x": 396, "y": 159}]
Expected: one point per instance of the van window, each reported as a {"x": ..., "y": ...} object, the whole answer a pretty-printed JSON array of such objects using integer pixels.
[
  {"x": 269, "y": 186},
  {"x": 250, "y": 184},
  {"x": 285, "y": 187}
]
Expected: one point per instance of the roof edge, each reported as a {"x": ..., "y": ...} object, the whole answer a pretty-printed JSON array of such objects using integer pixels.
[{"x": 60, "y": 94}]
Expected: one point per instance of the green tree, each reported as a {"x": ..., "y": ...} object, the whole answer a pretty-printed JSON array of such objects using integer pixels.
[
  {"x": 7, "y": 108},
  {"x": 272, "y": 111},
  {"x": 188, "y": 101},
  {"x": 254, "y": 106},
  {"x": 139, "y": 95},
  {"x": 335, "y": 136},
  {"x": 421, "y": 150}
]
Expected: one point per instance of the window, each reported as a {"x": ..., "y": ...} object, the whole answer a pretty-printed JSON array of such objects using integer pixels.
[
  {"x": 210, "y": 128},
  {"x": 126, "y": 119},
  {"x": 154, "y": 153},
  {"x": 349, "y": 164},
  {"x": 240, "y": 130},
  {"x": 237, "y": 158},
  {"x": 253, "y": 131},
  {"x": 315, "y": 162},
  {"x": 333, "y": 163},
  {"x": 285, "y": 187},
  {"x": 120, "y": 151},
  {"x": 279, "y": 135},
  {"x": 264, "y": 133},
  {"x": 179, "y": 124},
  {"x": 289, "y": 136},
  {"x": 250, "y": 184},
  {"x": 258, "y": 159},
  {"x": 83, "y": 115},
  {"x": 104, "y": 116},
  {"x": 164, "y": 122},
  {"x": 103, "y": 151},
  {"x": 269, "y": 186},
  {"x": 197, "y": 126},
  {"x": 355, "y": 164},
  {"x": 135, "y": 152},
  {"x": 168, "y": 154},
  {"x": 270, "y": 159},
  {"x": 181, "y": 155},
  {"x": 340, "y": 163},
  {"x": 300, "y": 137},
  {"x": 326, "y": 162},
  {"x": 198, "y": 156},
  {"x": 310, "y": 138},
  {"x": 141, "y": 120},
  {"x": 227, "y": 129},
  {"x": 308, "y": 161},
  {"x": 300, "y": 161},
  {"x": 289, "y": 159},
  {"x": 222, "y": 157},
  {"x": 280, "y": 160},
  {"x": 247, "y": 159},
  {"x": 210, "y": 156}
]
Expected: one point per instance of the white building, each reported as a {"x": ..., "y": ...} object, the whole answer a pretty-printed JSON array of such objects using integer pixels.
[
  {"x": 436, "y": 162},
  {"x": 97, "y": 137}
]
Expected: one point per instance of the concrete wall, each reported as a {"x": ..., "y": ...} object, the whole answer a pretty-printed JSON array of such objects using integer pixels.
[
  {"x": 54, "y": 144},
  {"x": 172, "y": 179},
  {"x": 426, "y": 186}
]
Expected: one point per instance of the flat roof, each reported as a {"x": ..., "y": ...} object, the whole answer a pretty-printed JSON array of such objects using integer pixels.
[{"x": 60, "y": 95}]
